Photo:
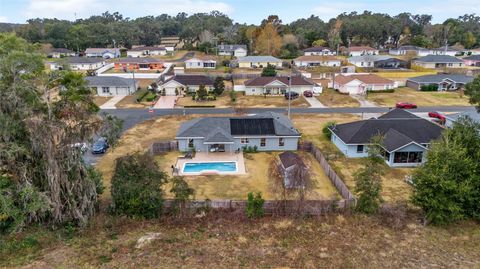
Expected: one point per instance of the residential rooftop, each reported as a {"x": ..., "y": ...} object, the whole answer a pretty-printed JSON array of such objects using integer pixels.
[
  {"x": 438, "y": 59},
  {"x": 266, "y": 58}
]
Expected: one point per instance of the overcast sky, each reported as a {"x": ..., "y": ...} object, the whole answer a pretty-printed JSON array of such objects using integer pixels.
[{"x": 249, "y": 11}]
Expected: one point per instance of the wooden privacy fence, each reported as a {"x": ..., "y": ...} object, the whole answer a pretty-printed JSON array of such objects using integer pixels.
[
  {"x": 271, "y": 207},
  {"x": 162, "y": 147},
  {"x": 334, "y": 178}
]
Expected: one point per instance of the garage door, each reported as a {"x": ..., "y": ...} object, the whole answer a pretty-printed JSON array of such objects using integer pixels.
[
  {"x": 169, "y": 91},
  {"x": 122, "y": 91}
]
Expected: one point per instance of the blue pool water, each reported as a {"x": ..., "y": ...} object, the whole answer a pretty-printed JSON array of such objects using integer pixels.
[{"x": 218, "y": 166}]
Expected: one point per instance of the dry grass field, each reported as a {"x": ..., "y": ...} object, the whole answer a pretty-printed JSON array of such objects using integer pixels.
[
  {"x": 405, "y": 94},
  {"x": 331, "y": 98}
]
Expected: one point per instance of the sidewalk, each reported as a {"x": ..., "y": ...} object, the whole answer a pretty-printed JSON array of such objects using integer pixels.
[{"x": 110, "y": 104}]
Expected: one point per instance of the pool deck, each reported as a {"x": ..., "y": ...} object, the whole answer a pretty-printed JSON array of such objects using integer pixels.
[{"x": 213, "y": 157}]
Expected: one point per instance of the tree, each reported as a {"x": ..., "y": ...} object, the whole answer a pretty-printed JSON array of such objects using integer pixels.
[
  {"x": 334, "y": 34},
  {"x": 255, "y": 205},
  {"x": 368, "y": 180},
  {"x": 201, "y": 93},
  {"x": 268, "y": 41},
  {"x": 472, "y": 90},
  {"x": 37, "y": 133},
  {"x": 447, "y": 185},
  {"x": 182, "y": 193},
  {"x": 326, "y": 129},
  {"x": 469, "y": 40},
  {"x": 218, "y": 86},
  {"x": 319, "y": 43},
  {"x": 269, "y": 71},
  {"x": 137, "y": 186}
]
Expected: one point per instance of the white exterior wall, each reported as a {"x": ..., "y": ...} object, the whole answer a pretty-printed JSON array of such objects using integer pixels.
[
  {"x": 258, "y": 90},
  {"x": 240, "y": 53},
  {"x": 360, "y": 53},
  {"x": 85, "y": 66},
  {"x": 271, "y": 144},
  {"x": 258, "y": 64},
  {"x": 362, "y": 64},
  {"x": 323, "y": 63},
  {"x": 115, "y": 91},
  {"x": 135, "y": 54}
]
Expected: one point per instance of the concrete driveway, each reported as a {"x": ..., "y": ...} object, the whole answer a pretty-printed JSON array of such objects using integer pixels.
[
  {"x": 110, "y": 104},
  {"x": 363, "y": 102},
  {"x": 314, "y": 102},
  {"x": 166, "y": 102}
]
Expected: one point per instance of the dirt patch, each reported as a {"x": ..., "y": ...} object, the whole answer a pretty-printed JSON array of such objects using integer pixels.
[
  {"x": 100, "y": 100},
  {"x": 268, "y": 101}
]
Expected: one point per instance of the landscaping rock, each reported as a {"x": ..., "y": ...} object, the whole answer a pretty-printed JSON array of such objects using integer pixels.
[{"x": 147, "y": 240}]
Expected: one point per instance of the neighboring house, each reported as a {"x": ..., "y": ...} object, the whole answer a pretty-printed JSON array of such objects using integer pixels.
[
  {"x": 258, "y": 61},
  {"x": 78, "y": 63},
  {"x": 452, "y": 118},
  {"x": 410, "y": 50},
  {"x": 406, "y": 137},
  {"x": 317, "y": 60},
  {"x": 473, "y": 60},
  {"x": 109, "y": 86},
  {"x": 145, "y": 51},
  {"x": 377, "y": 61},
  {"x": 171, "y": 43},
  {"x": 138, "y": 64},
  {"x": 472, "y": 51},
  {"x": 318, "y": 51},
  {"x": 449, "y": 51},
  {"x": 438, "y": 61},
  {"x": 267, "y": 132},
  {"x": 290, "y": 162},
  {"x": 105, "y": 53},
  {"x": 278, "y": 85},
  {"x": 183, "y": 84},
  {"x": 232, "y": 50},
  {"x": 61, "y": 52},
  {"x": 361, "y": 83},
  {"x": 206, "y": 61},
  {"x": 361, "y": 50},
  {"x": 445, "y": 82}
]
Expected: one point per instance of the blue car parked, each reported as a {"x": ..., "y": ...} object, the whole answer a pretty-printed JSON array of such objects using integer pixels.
[{"x": 100, "y": 146}]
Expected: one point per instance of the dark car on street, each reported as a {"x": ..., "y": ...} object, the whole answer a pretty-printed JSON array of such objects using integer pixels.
[{"x": 100, "y": 146}]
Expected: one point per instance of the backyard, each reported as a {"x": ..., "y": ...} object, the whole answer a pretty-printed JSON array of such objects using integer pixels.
[{"x": 420, "y": 98}]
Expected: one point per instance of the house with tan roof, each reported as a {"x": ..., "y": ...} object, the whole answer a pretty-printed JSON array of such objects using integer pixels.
[
  {"x": 361, "y": 83},
  {"x": 361, "y": 50},
  {"x": 317, "y": 60},
  {"x": 138, "y": 64},
  {"x": 279, "y": 85},
  {"x": 206, "y": 61}
]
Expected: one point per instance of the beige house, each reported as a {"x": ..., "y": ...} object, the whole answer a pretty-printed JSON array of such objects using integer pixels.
[
  {"x": 258, "y": 61},
  {"x": 184, "y": 84},
  {"x": 359, "y": 84},
  {"x": 438, "y": 61}
]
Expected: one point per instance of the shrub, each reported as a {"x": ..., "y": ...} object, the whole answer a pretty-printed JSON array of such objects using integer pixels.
[
  {"x": 137, "y": 186},
  {"x": 201, "y": 93},
  {"x": 182, "y": 194},
  {"x": 381, "y": 91},
  {"x": 255, "y": 205},
  {"x": 141, "y": 96},
  {"x": 226, "y": 63},
  {"x": 269, "y": 71},
  {"x": 233, "y": 96},
  {"x": 219, "y": 86},
  {"x": 326, "y": 132}
]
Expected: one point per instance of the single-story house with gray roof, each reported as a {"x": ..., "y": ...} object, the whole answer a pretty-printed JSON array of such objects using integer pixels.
[
  {"x": 406, "y": 137},
  {"x": 105, "y": 53},
  {"x": 258, "y": 61},
  {"x": 232, "y": 50},
  {"x": 183, "y": 84},
  {"x": 473, "y": 60},
  {"x": 377, "y": 61},
  {"x": 267, "y": 132},
  {"x": 78, "y": 63},
  {"x": 60, "y": 53},
  {"x": 110, "y": 86},
  {"x": 438, "y": 61},
  {"x": 445, "y": 82},
  {"x": 452, "y": 118}
]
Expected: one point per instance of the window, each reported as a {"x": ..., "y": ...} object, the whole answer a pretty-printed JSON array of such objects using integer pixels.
[
  {"x": 190, "y": 143},
  {"x": 450, "y": 64},
  {"x": 244, "y": 140},
  {"x": 359, "y": 148},
  {"x": 263, "y": 142},
  {"x": 105, "y": 89},
  {"x": 281, "y": 142},
  {"x": 361, "y": 63}
]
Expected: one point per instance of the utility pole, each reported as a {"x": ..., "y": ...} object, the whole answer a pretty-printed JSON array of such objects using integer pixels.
[{"x": 289, "y": 94}]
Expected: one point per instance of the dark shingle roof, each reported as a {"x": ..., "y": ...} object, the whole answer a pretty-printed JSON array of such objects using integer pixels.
[
  {"x": 191, "y": 80},
  {"x": 440, "y": 77},
  {"x": 145, "y": 60},
  {"x": 262, "y": 124},
  {"x": 109, "y": 81},
  {"x": 439, "y": 59},
  {"x": 472, "y": 58},
  {"x": 398, "y": 127}
]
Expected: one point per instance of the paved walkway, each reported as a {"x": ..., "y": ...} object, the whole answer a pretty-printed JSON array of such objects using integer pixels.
[
  {"x": 363, "y": 102},
  {"x": 110, "y": 104},
  {"x": 165, "y": 102},
  {"x": 314, "y": 102}
]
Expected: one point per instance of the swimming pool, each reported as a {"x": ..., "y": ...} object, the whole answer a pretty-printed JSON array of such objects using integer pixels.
[{"x": 220, "y": 167}]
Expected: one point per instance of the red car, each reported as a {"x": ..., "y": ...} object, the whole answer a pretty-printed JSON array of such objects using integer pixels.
[
  {"x": 308, "y": 93},
  {"x": 436, "y": 115},
  {"x": 405, "y": 105}
]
